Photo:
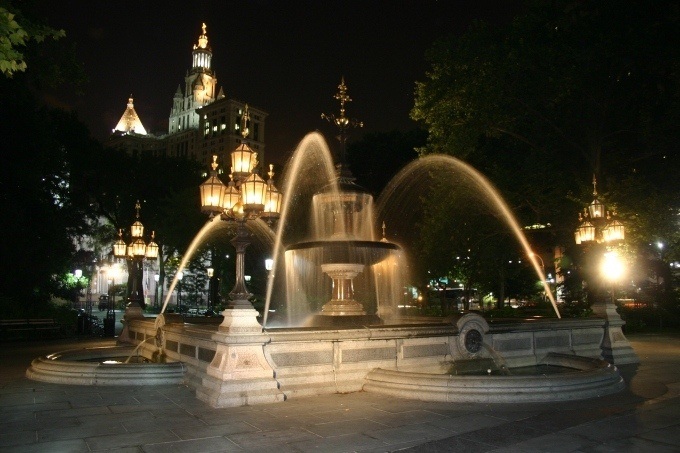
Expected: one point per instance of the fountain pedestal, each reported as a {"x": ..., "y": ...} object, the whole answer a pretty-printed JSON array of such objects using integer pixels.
[
  {"x": 342, "y": 301},
  {"x": 239, "y": 373},
  {"x": 342, "y": 310}
]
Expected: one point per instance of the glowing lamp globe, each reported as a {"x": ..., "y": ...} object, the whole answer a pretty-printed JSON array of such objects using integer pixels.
[
  {"x": 585, "y": 232},
  {"x": 120, "y": 247},
  {"x": 138, "y": 248},
  {"x": 253, "y": 193},
  {"x": 596, "y": 209},
  {"x": 212, "y": 191},
  {"x": 243, "y": 161},
  {"x": 272, "y": 203},
  {"x": 152, "y": 248},
  {"x": 231, "y": 197},
  {"x": 137, "y": 229},
  {"x": 615, "y": 231}
]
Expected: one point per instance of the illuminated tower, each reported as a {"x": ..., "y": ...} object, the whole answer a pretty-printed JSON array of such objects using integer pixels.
[{"x": 199, "y": 89}]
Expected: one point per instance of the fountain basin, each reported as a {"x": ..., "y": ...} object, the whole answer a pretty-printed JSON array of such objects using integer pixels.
[
  {"x": 87, "y": 367},
  {"x": 581, "y": 378}
]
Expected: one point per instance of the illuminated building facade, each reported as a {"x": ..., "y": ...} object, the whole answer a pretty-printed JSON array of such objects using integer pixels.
[{"x": 202, "y": 122}]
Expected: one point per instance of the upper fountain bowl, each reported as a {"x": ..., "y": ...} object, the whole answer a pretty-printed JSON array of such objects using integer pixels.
[{"x": 347, "y": 251}]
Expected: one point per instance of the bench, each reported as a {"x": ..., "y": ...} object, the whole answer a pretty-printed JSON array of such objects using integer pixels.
[{"x": 11, "y": 329}]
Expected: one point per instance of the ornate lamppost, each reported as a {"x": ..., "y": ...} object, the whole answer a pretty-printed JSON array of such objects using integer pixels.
[
  {"x": 598, "y": 226},
  {"x": 112, "y": 272},
  {"x": 135, "y": 253},
  {"x": 77, "y": 275},
  {"x": 211, "y": 275},
  {"x": 245, "y": 198}
]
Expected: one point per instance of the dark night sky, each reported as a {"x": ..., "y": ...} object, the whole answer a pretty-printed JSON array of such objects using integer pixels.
[{"x": 286, "y": 57}]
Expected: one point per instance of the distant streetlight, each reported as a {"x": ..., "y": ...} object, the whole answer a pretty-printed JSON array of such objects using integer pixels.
[
  {"x": 112, "y": 272},
  {"x": 156, "y": 278},
  {"x": 77, "y": 274},
  {"x": 180, "y": 276},
  {"x": 211, "y": 275},
  {"x": 269, "y": 264}
]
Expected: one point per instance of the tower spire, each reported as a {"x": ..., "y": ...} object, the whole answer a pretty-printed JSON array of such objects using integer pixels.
[{"x": 202, "y": 39}]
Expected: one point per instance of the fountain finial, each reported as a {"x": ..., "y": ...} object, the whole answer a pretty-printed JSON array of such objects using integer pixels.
[
  {"x": 384, "y": 238},
  {"x": 341, "y": 121}
]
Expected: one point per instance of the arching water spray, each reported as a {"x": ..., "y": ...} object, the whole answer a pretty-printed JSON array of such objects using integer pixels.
[
  {"x": 414, "y": 173},
  {"x": 198, "y": 239},
  {"x": 313, "y": 145}
]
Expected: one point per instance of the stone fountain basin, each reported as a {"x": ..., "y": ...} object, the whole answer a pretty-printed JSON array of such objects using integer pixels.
[
  {"x": 85, "y": 367},
  {"x": 582, "y": 378},
  {"x": 341, "y": 251}
]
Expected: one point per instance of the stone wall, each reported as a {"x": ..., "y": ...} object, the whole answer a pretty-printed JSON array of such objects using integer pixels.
[{"x": 294, "y": 363}]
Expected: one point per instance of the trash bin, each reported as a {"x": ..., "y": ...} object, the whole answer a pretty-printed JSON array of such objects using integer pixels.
[{"x": 109, "y": 327}]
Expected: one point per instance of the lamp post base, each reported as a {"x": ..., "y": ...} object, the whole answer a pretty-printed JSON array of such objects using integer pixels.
[
  {"x": 615, "y": 346},
  {"x": 132, "y": 311},
  {"x": 240, "y": 320},
  {"x": 239, "y": 374}
]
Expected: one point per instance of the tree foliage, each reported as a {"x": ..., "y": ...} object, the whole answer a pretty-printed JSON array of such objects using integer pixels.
[
  {"x": 17, "y": 32},
  {"x": 567, "y": 90}
]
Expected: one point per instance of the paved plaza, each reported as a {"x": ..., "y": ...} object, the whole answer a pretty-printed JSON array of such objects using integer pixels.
[{"x": 39, "y": 417}]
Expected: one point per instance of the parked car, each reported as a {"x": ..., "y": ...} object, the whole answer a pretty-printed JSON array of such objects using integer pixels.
[{"x": 103, "y": 302}]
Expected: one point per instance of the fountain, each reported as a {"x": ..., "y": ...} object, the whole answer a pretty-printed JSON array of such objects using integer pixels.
[
  {"x": 339, "y": 332},
  {"x": 343, "y": 246}
]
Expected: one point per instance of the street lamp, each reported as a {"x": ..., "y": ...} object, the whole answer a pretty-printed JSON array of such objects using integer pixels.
[
  {"x": 246, "y": 197},
  {"x": 612, "y": 267},
  {"x": 135, "y": 252},
  {"x": 596, "y": 224},
  {"x": 180, "y": 276},
  {"x": 112, "y": 272},
  {"x": 77, "y": 274},
  {"x": 211, "y": 274},
  {"x": 599, "y": 226}
]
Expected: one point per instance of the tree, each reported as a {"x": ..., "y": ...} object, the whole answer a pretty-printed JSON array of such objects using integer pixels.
[
  {"x": 35, "y": 187},
  {"x": 567, "y": 90},
  {"x": 16, "y": 32}
]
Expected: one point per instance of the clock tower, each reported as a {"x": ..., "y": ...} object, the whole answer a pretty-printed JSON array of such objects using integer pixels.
[{"x": 199, "y": 88}]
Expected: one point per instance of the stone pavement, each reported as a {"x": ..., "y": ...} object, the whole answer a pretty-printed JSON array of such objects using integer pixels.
[{"x": 39, "y": 417}]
